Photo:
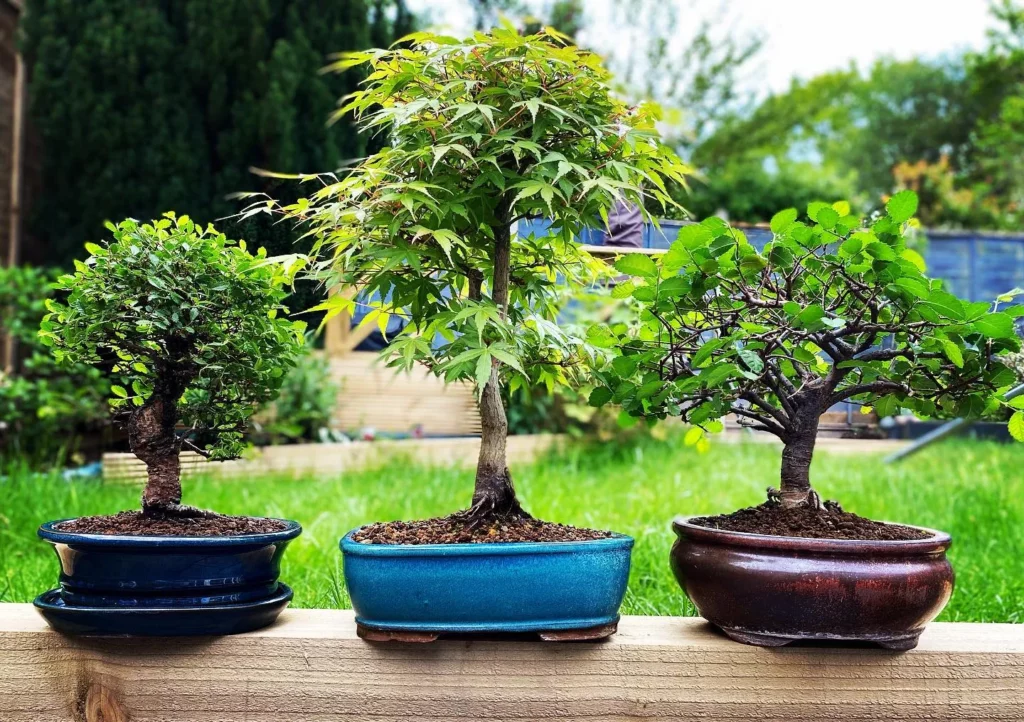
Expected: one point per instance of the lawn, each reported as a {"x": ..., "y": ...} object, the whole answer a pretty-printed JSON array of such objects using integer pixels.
[{"x": 973, "y": 490}]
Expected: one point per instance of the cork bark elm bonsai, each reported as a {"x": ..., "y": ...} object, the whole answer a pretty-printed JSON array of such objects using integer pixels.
[
  {"x": 191, "y": 322},
  {"x": 834, "y": 309},
  {"x": 481, "y": 133}
]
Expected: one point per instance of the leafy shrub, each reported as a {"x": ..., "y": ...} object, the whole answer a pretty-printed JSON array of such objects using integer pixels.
[
  {"x": 303, "y": 409},
  {"x": 44, "y": 408},
  {"x": 833, "y": 309}
]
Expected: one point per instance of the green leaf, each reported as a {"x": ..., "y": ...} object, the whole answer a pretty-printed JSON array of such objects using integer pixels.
[
  {"x": 636, "y": 264},
  {"x": 810, "y": 315},
  {"x": 827, "y": 218},
  {"x": 1016, "y": 426},
  {"x": 119, "y": 391},
  {"x": 902, "y": 206},
  {"x": 995, "y": 325},
  {"x": 483, "y": 371},
  {"x": 953, "y": 352},
  {"x": 783, "y": 220},
  {"x": 600, "y": 396}
]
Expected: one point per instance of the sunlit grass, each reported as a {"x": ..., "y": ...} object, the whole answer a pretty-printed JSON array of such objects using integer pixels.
[{"x": 973, "y": 490}]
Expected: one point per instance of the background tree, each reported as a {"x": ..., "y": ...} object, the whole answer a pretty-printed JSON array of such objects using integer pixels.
[
  {"x": 143, "y": 105},
  {"x": 193, "y": 322},
  {"x": 832, "y": 310},
  {"x": 482, "y": 133}
]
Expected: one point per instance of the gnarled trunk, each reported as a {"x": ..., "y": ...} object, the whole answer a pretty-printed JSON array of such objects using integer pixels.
[
  {"x": 796, "y": 461},
  {"x": 152, "y": 439}
]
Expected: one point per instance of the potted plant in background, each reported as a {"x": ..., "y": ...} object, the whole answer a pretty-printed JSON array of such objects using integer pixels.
[
  {"x": 482, "y": 133},
  {"x": 191, "y": 321},
  {"x": 831, "y": 310}
]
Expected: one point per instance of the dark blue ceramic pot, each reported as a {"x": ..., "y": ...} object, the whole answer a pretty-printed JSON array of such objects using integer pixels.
[
  {"x": 113, "y": 580},
  {"x": 501, "y": 587}
]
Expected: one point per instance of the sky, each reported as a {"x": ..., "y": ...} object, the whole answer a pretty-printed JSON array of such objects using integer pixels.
[{"x": 803, "y": 38}]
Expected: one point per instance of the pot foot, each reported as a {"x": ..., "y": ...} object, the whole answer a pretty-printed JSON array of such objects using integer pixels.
[
  {"x": 395, "y": 635},
  {"x": 757, "y": 640},
  {"x": 579, "y": 635},
  {"x": 899, "y": 645}
]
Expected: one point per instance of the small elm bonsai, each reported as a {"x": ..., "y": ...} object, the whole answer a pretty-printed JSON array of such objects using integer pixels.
[
  {"x": 193, "y": 324},
  {"x": 481, "y": 133},
  {"x": 834, "y": 309}
]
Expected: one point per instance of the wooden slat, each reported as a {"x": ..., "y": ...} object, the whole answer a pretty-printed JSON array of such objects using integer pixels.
[
  {"x": 375, "y": 396},
  {"x": 332, "y": 459},
  {"x": 311, "y": 667}
]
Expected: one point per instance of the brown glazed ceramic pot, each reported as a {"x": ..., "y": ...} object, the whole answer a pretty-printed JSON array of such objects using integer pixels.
[{"x": 770, "y": 591}]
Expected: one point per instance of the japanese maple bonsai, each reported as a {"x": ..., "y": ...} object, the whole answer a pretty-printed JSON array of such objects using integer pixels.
[
  {"x": 193, "y": 325},
  {"x": 481, "y": 133},
  {"x": 835, "y": 309}
]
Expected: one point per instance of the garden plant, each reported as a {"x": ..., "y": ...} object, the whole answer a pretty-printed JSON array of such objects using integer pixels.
[
  {"x": 833, "y": 309},
  {"x": 192, "y": 323},
  {"x": 482, "y": 133}
]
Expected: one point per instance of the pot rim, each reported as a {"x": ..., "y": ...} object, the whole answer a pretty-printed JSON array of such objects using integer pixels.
[
  {"x": 351, "y": 546},
  {"x": 47, "y": 532},
  {"x": 937, "y": 542}
]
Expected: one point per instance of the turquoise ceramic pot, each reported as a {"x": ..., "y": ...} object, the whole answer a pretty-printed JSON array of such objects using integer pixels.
[{"x": 500, "y": 587}]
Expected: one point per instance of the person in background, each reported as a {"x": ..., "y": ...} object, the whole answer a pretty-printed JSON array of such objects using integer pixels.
[{"x": 625, "y": 226}]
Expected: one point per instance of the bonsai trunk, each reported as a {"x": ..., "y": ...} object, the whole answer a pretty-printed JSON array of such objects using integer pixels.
[
  {"x": 796, "y": 465},
  {"x": 494, "y": 495},
  {"x": 152, "y": 439}
]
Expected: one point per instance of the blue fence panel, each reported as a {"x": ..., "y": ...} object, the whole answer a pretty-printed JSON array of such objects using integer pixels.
[{"x": 975, "y": 265}]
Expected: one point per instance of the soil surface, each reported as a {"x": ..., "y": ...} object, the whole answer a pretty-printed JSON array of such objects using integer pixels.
[
  {"x": 135, "y": 523},
  {"x": 455, "y": 530},
  {"x": 828, "y": 523}
]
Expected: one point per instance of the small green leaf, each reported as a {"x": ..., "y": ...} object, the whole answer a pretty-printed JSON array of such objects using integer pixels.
[
  {"x": 783, "y": 220},
  {"x": 995, "y": 325},
  {"x": 600, "y": 396},
  {"x": 119, "y": 391},
  {"x": 636, "y": 264},
  {"x": 953, "y": 352},
  {"x": 1016, "y": 426},
  {"x": 827, "y": 218},
  {"x": 902, "y": 206}
]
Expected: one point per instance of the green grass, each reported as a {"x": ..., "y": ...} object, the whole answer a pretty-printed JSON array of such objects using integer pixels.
[{"x": 973, "y": 490}]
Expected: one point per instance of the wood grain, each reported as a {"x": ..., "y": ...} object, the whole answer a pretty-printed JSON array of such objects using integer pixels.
[{"x": 311, "y": 667}]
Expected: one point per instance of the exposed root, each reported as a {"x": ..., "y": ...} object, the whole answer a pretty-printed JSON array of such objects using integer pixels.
[
  {"x": 178, "y": 511},
  {"x": 795, "y": 499}
]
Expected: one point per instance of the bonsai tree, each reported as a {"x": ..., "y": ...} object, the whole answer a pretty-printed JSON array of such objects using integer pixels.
[
  {"x": 191, "y": 321},
  {"x": 482, "y": 133},
  {"x": 833, "y": 309}
]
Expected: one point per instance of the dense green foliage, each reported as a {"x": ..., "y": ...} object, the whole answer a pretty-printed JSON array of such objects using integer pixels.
[
  {"x": 187, "y": 315},
  {"x": 973, "y": 490},
  {"x": 483, "y": 132},
  {"x": 832, "y": 310},
  {"x": 43, "y": 407},
  {"x": 144, "y": 105}
]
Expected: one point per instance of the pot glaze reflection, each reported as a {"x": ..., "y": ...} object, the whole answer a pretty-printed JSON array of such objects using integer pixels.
[{"x": 771, "y": 591}]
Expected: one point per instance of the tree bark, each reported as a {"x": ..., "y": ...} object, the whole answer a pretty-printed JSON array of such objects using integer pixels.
[
  {"x": 152, "y": 439},
  {"x": 494, "y": 495},
  {"x": 796, "y": 462}
]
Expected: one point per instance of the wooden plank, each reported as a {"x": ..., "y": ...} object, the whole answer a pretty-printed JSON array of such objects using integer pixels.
[
  {"x": 311, "y": 667},
  {"x": 374, "y": 396},
  {"x": 332, "y": 459}
]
